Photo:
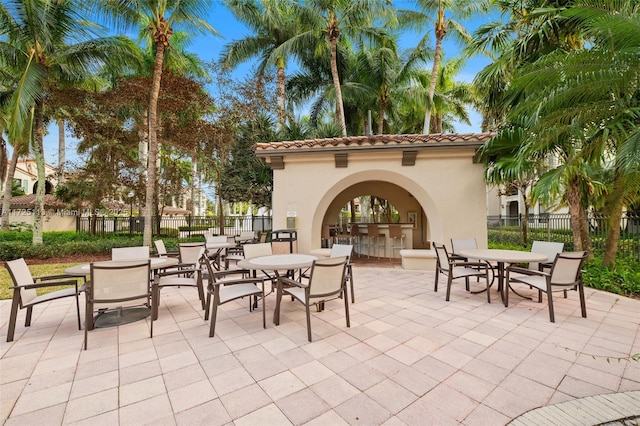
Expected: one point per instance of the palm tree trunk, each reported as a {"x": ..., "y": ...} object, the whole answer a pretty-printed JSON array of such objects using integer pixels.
[
  {"x": 441, "y": 31},
  {"x": 6, "y": 200},
  {"x": 334, "y": 32},
  {"x": 38, "y": 152},
  {"x": 573, "y": 201},
  {"x": 280, "y": 94},
  {"x": 61, "y": 151},
  {"x": 383, "y": 107},
  {"x": 584, "y": 232},
  {"x": 615, "y": 215},
  {"x": 153, "y": 143}
]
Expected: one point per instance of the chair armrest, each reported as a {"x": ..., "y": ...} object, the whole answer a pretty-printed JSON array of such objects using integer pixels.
[
  {"x": 178, "y": 271},
  {"x": 55, "y": 277},
  {"x": 222, "y": 274},
  {"x": 240, "y": 281},
  {"x": 47, "y": 284},
  {"x": 525, "y": 271},
  {"x": 454, "y": 256},
  {"x": 476, "y": 264},
  {"x": 289, "y": 281}
]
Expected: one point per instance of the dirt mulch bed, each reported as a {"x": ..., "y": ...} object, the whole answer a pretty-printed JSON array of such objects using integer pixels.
[{"x": 73, "y": 258}]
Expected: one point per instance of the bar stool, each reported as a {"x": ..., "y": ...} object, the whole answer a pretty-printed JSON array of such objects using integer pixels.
[
  {"x": 376, "y": 240},
  {"x": 356, "y": 238},
  {"x": 327, "y": 239},
  {"x": 395, "y": 233}
]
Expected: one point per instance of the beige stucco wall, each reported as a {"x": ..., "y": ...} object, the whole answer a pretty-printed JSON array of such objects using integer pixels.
[
  {"x": 444, "y": 182},
  {"x": 54, "y": 220}
]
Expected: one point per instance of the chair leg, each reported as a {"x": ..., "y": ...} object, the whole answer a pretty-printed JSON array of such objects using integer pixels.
[
  {"x": 488, "y": 286},
  {"x": 448, "y": 288},
  {"x": 154, "y": 312},
  {"x": 201, "y": 292},
  {"x": 346, "y": 307},
  {"x": 353, "y": 294},
  {"x": 264, "y": 312},
  {"x": 27, "y": 319},
  {"x": 583, "y": 305},
  {"x": 552, "y": 317},
  {"x": 306, "y": 305},
  {"x": 208, "y": 303},
  {"x": 435, "y": 286},
  {"x": 214, "y": 315},
  {"x": 14, "y": 315},
  {"x": 156, "y": 301},
  {"x": 88, "y": 321},
  {"x": 78, "y": 311}
]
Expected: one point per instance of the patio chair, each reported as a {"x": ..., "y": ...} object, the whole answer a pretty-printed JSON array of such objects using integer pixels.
[
  {"x": 117, "y": 285},
  {"x": 326, "y": 282},
  {"x": 565, "y": 274},
  {"x": 130, "y": 253},
  {"x": 234, "y": 254},
  {"x": 455, "y": 269},
  {"x": 161, "y": 250},
  {"x": 458, "y": 244},
  {"x": 338, "y": 250},
  {"x": 185, "y": 274},
  {"x": 549, "y": 249},
  {"x": 216, "y": 255},
  {"x": 25, "y": 296},
  {"x": 225, "y": 286},
  {"x": 252, "y": 251},
  {"x": 246, "y": 237}
]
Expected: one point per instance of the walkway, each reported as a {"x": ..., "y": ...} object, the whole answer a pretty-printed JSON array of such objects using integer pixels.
[{"x": 409, "y": 358}]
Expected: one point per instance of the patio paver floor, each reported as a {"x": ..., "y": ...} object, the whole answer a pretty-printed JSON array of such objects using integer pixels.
[{"x": 408, "y": 358}]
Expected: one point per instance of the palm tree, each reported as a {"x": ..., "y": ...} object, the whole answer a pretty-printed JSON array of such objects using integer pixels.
[
  {"x": 160, "y": 18},
  {"x": 446, "y": 12},
  {"x": 35, "y": 48},
  {"x": 329, "y": 20},
  {"x": 590, "y": 98},
  {"x": 273, "y": 22}
]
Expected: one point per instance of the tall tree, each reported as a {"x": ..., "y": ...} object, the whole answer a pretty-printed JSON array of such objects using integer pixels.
[
  {"x": 39, "y": 46},
  {"x": 160, "y": 18},
  {"x": 448, "y": 14},
  {"x": 329, "y": 20},
  {"x": 273, "y": 23},
  {"x": 590, "y": 98}
]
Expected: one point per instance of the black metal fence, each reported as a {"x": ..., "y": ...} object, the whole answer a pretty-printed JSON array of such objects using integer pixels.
[
  {"x": 556, "y": 227},
  {"x": 174, "y": 226}
]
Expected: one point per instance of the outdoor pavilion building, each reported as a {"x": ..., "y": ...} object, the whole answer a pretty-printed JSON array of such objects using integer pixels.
[{"x": 433, "y": 178}]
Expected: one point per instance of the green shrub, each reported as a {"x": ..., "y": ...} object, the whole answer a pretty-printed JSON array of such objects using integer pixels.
[
  {"x": 623, "y": 278},
  {"x": 169, "y": 233}
]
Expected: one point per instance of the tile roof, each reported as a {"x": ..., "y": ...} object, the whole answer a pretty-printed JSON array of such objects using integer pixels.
[
  {"x": 28, "y": 202},
  {"x": 378, "y": 141}
]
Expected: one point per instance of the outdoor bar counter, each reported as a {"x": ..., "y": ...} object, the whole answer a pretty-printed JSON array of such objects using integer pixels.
[{"x": 383, "y": 229}]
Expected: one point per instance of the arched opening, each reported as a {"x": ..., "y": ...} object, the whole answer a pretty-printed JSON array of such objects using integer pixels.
[
  {"x": 413, "y": 207},
  {"x": 48, "y": 187}
]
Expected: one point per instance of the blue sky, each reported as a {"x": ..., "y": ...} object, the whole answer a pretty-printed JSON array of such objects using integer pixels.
[{"x": 209, "y": 48}]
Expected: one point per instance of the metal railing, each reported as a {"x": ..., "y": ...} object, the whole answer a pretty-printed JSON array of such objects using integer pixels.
[
  {"x": 556, "y": 227},
  {"x": 174, "y": 226}
]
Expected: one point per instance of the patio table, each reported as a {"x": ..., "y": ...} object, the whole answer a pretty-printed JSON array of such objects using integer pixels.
[
  {"x": 277, "y": 263},
  {"x": 501, "y": 257}
]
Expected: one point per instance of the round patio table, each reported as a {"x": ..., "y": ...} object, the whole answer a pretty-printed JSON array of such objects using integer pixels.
[
  {"x": 277, "y": 263},
  {"x": 501, "y": 257}
]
